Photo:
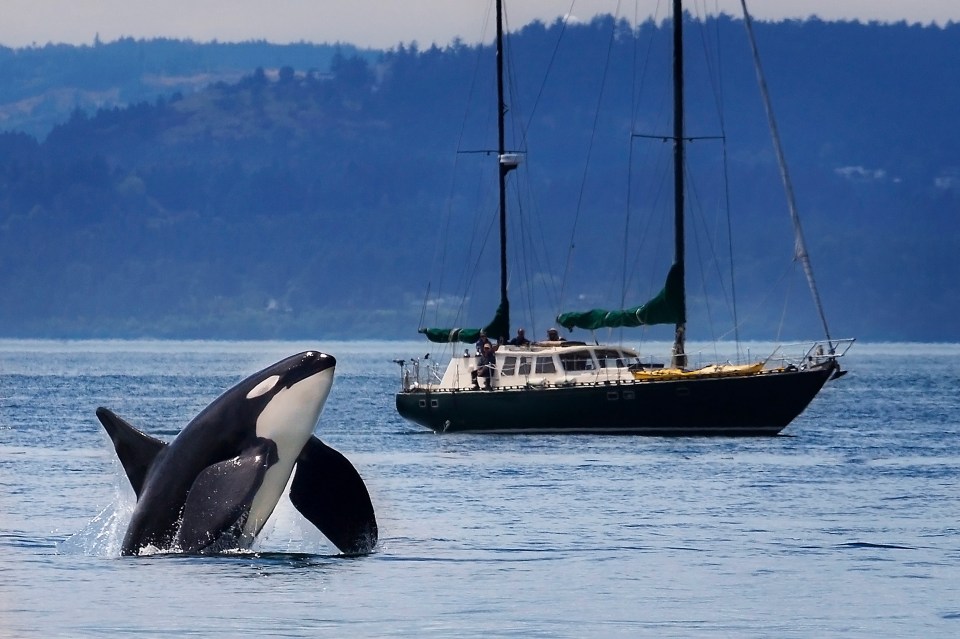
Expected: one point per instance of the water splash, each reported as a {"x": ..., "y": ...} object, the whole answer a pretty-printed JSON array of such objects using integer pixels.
[
  {"x": 103, "y": 536},
  {"x": 286, "y": 531}
]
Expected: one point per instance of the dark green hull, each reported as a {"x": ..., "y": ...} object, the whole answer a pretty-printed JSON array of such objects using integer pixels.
[{"x": 760, "y": 404}]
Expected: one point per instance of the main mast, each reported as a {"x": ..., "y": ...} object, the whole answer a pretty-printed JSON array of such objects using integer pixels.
[
  {"x": 506, "y": 163},
  {"x": 679, "y": 355}
]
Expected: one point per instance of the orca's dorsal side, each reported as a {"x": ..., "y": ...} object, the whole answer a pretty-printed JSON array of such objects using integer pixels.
[
  {"x": 135, "y": 449},
  {"x": 330, "y": 493}
]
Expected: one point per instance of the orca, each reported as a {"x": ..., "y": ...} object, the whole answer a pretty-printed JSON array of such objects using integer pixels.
[{"x": 215, "y": 485}]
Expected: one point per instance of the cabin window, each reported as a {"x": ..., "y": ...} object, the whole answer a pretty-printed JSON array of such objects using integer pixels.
[
  {"x": 610, "y": 358},
  {"x": 524, "y": 366},
  {"x": 545, "y": 365},
  {"x": 576, "y": 361},
  {"x": 509, "y": 366}
]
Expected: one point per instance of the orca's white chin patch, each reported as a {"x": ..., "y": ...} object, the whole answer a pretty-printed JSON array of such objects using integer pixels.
[
  {"x": 293, "y": 412},
  {"x": 288, "y": 420}
]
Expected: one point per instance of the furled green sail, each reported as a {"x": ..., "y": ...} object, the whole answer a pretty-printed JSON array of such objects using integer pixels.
[
  {"x": 497, "y": 330},
  {"x": 666, "y": 308}
]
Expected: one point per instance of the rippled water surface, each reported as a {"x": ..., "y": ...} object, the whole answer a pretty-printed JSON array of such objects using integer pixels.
[{"x": 845, "y": 526}]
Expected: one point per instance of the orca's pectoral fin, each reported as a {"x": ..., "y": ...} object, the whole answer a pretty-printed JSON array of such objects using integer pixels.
[
  {"x": 329, "y": 491},
  {"x": 220, "y": 499},
  {"x": 136, "y": 450}
]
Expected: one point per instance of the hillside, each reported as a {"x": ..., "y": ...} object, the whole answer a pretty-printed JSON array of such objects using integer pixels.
[
  {"x": 304, "y": 199},
  {"x": 40, "y": 86}
]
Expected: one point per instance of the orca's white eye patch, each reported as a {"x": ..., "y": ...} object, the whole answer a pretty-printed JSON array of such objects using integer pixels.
[{"x": 263, "y": 387}]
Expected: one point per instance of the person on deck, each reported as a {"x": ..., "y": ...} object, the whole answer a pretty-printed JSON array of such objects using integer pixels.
[
  {"x": 554, "y": 336},
  {"x": 520, "y": 339},
  {"x": 486, "y": 367},
  {"x": 483, "y": 341}
]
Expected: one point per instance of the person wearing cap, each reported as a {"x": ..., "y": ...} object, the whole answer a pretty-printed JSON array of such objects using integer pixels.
[
  {"x": 520, "y": 339},
  {"x": 482, "y": 342},
  {"x": 554, "y": 336},
  {"x": 486, "y": 366}
]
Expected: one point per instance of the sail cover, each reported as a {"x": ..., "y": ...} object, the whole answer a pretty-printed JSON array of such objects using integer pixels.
[
  {"x": 666, "y": 308},
  {"x": 497, "y": 330}
]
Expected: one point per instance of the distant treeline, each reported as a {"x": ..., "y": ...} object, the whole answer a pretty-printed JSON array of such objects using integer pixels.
[
  {"x": 302, "y": 195},
  {"x": 41, "y": 85}
]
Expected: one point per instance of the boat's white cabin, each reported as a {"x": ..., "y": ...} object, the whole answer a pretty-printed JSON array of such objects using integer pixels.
[{"x": 545, "y": 364}]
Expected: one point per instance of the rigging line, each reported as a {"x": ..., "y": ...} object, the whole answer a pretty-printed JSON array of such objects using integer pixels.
[
  {"x": 476, "y": 245},
  {"x": 423, "y": 309},
  {"x": 535, "y": 254},
  {"x": 629, "y": 202},
  {"x": 716, "y": 83},
  {"x": 712, "y": 240},
  {"x": 469, "y": 282},
  {"x": 518, "y": 261},
  {"x": 518, "y": 184},
  {"x": 626, "y": 228},
  {"x": 636, "y": 89},
  {"x": 511, "y": 87},
  {"x": 659, "y": 187},
  {"x": 593, "y": 136},
  {"x": 466, "y": 276},
  {"x": 726, "y": 188},
  {"x": 713, "y": 74},
  {"x": 765, "y": 301},
  {"x": 534, "y": 241},
  {"x": 516, "y": 123},
  {"x": 546, "y": 74},
  {"x": 730, "y": 253},
  {"x": 783, "y": 315},
  {"x": 660, "y": 184},
  {"x": 695, "y": 206},
  {"x": 800, "y": 247},
  {"x": 525, "y": 265},
  {"x": 465, "y": 273},
  {"x": 520, "y": 130},
  {"x": 445, "y": 230}
]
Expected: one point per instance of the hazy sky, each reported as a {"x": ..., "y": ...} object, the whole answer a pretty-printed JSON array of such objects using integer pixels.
[{"x": 378, "y": 23}]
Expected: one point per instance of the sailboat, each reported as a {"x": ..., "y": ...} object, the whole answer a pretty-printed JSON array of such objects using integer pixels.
[{"x": 559, "y": 386}]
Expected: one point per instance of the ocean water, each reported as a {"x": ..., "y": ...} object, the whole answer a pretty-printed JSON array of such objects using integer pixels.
[{"x": 844, "y": 526}]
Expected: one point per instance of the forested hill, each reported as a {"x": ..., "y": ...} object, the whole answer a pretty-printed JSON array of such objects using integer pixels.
[
  {"x": 40, "y": 86},
  {"x": 302, "y": 199}
]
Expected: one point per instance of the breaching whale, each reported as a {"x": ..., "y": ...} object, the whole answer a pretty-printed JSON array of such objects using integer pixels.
[{"x": 215, "y": 485}]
